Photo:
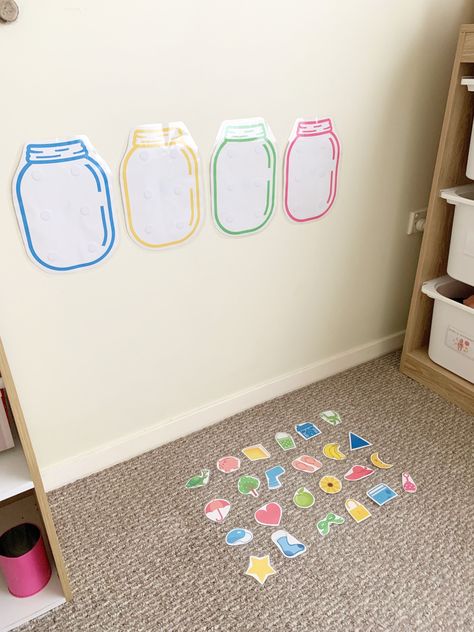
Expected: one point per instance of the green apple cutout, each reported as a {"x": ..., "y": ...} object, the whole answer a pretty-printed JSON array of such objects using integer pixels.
[
  {"x": 248, "y": 485},
  {"x": 303, "y": 498}
]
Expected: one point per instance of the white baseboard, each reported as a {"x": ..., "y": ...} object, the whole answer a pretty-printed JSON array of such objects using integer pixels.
[{"x": 72, "y": 469}]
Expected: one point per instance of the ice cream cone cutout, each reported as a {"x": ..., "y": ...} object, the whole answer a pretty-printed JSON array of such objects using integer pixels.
[{"x": 408, "y": 483}]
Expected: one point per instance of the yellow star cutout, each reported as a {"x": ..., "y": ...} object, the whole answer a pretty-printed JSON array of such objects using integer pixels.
[{"x": 260, "y": 568}]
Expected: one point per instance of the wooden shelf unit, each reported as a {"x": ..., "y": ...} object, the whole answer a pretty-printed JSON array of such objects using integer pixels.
[
  {"x": 23, "y": 499},
  {"x": 450, "y": 171}
]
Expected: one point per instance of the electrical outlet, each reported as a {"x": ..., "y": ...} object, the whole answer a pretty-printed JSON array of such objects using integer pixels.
[{"x": 416, "y": 221}]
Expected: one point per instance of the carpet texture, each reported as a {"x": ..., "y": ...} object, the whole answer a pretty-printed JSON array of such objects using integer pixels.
[{"x": 143, "y": 557}]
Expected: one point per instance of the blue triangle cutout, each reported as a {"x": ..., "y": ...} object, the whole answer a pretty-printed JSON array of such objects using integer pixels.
[{"x": 356, "y": 442}]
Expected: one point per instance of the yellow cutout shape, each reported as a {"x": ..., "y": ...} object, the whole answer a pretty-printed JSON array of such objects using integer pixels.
[
  {"x": 357, "y": 510},
  {"x": 260, "y": 568},
  {"x": 256, "y": 452},
  {"x": 377, "y": 461}
]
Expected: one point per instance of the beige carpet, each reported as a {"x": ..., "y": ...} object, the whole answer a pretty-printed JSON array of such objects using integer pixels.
[{"x": 142, "y": 556}]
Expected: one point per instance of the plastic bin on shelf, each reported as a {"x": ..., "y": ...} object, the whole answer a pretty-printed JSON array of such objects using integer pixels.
[
  {"x": 452, "y": 328},
  {"x": 461, "y": 251}
]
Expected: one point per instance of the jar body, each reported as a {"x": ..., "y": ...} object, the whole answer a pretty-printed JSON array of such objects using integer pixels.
[
  {"x": 62, "y": 198},
  {"x": 243, "y": 174},
  {"x": 160, "y": 179},
  {"x": 311, "y": 170}
]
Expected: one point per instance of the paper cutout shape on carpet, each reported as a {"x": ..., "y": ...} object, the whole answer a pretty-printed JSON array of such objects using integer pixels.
[
  {"x": 332, "y": 451},
  {"x": 269, "y": 515},
  {"x": 198, "y": 480},
  {"x": 330, "y": 484},
  {"x": 306, "y": 463},
  {"x": 287, "y": 544},
  {"x": 260, "y": 568},
  {"x": 357, "y": 510},
  {"x": 273, "y": 476},
  {"x": 324, "y": 525},
  {"x": 248, "y": 485},
  {"x": 331, "y": 417},
  {"x": 256, "y": 452},
  {"x": 285, "y": 441},
  {"x": 243, "y": 176},
  {"x": 217, "y": 510},
  {"x": 356, "y": 442},
  {"x": 303, "y": 498},
  {"x": 61, "y": 195},
  {"x": 307, "y": 430},
  {"x": 238, "y": 537},
  {"x": 377, "y": 461},
  {"x": 358, "y": 472},
  {"x": 311, "y": 166},
  {"x": 381, "y": 494},
  {"x": 160, "y": 177},
  {"x": 408, "y": 483},
  {"x": 228, "y": 464}
]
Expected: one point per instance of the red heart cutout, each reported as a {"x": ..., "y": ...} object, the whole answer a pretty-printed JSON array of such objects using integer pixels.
[
  {"x": 269, "y": 515},
  {"x": 357, "y": 472}
]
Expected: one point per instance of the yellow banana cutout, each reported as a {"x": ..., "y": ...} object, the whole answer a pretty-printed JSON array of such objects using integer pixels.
[
  {"x": 331, "y": 451},
  {"x": 377, "y": 461}
]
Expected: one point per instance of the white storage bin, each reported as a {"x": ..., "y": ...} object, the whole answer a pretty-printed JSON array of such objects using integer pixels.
[
  {"x": 461, "y": 251},
  {"x": 452, "y": 328}
]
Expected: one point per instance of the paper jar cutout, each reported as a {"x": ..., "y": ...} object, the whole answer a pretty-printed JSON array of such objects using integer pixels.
[
  {"x": 160, "y": 180},
  {"x": 243, "y": 175},
  {"x": 61, "y": 195},
  {"x": 310, "y": 170}
]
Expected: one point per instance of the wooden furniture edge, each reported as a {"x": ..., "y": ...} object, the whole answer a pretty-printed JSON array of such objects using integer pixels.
[
  {"x": 418, "y": 365},
  {"x": 417, "y": 297},
  {"x": 34, "y": 471}
]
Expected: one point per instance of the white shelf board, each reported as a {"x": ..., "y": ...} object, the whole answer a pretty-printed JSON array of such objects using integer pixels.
[
  {"x": 14, "y": 474},
  {"x": 15, "y": 611}
]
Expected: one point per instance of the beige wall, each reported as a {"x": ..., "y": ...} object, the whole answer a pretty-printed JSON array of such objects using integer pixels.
[{"x": 103, "y": 353}]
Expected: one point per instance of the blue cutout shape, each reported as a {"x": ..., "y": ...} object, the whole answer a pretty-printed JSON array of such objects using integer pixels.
[
  {"x": 273, "y": 476},
  {"x": 307, "y": 430},
  {"x": 356, "y": 442},
  {"x": 290, "y": 550},
  {"x": 237, "y": 537},
  {"x": 287, "y": 544},
  {"x": 381, "y": 494}
]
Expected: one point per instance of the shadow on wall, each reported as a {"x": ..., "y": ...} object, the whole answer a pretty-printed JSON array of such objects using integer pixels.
[{"x": 410, "y": 121}]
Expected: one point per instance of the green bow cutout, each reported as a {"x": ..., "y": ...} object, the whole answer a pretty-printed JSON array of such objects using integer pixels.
[{"x": 324, "y": 525}]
